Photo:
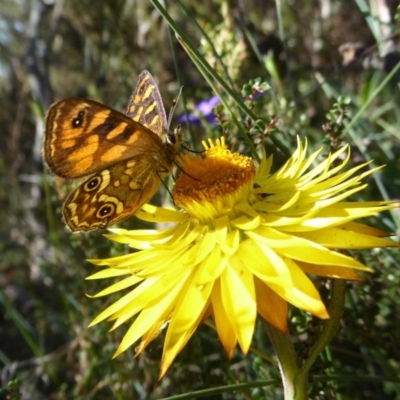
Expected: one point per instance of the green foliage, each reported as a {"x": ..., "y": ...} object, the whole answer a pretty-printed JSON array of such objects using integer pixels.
[{"x": 275, "y": 68}]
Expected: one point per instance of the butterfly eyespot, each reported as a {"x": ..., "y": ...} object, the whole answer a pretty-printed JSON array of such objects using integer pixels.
[
  {"x": 93, "y": 184},
  {"x": 105, "y": 210},
  {"x": 78, "y": 121}
]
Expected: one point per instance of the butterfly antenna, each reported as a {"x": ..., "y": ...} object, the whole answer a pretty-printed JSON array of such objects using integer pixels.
[{"x": 174, "y": 104}]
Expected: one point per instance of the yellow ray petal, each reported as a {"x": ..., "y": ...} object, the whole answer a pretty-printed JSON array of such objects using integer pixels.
[
  {"x": 142, "y": 239},
  {"x": 152, "y": 213},
  {"x": 190, "y": 307},
  {"x": 109, "y": 273},
  {"x": 121, "y": 285},
  {"x": 271, "y": 306},
  {"x": 225, "y": 331},
  {"x": 123, "y": 301},
  {"x": 149, "y": 296},
  {"x": 212, "y": 266},
  {"x": 149, "y": 317},
  {"x": 343, "y": 239},
  {"x": 239, "y": 300},
  {"x": 365, "y": 229},
  {"x": 300, "y": 249},
  {"x": 231, "y": 244},
  {"x": 300, "y": 291},
  {"x": 246, "y": 223},
  {"x": 200, "y": 249},
  {"x": 330, "y": 271}
]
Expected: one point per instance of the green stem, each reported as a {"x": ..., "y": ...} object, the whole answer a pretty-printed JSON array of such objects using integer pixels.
[
  {"x": 330, "y": 326},
  {"x": 288, "y": 363},
  {"x": 295, "y": 378}
]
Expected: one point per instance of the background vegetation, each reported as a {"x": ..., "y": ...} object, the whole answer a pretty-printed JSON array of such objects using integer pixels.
[{"x": 326, "y": 65}]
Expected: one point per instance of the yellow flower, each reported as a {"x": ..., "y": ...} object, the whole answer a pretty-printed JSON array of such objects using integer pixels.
[{"x": 241, "y": 244}]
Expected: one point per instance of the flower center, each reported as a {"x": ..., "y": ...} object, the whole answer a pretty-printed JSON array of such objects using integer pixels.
[{"x": 217, "y": 180}]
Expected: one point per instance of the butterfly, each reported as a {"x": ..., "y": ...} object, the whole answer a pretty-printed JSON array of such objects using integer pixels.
[{"x": 124, "y": 156}]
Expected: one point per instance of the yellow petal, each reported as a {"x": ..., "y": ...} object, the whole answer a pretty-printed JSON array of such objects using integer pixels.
[
  {"x": 109, "y": 273},
  {"x": 190, "y": 307},
  {"x": 278, "y": 202},
  {"x": 271, "y": 306},
  {"x": 283, "y": 276},
  {"x": 301, "y": 249},
  {"x": 121, "y": 285},
  {"x": 323, "y": 169},
  {"x": 212, "y": 266},
  {"x": 340, "y": 213},
  {"x": 239, "y": 300},
  {"x": 340, "y": 238},
  {"x": 149, "y": 296},
  {"x": 141, "y": 239},
  {"x": 300, "y": 291},
  {"x": 329, "y": 271},
  {"x": 186, "y": 236},
  {"x": 117, "y": 261},
  {"x": 152, "y": 213},
  {"x": 150, "y": 335},
  {"x": 123, "y": 301},
  {"x": 221, "y": 228},
  {"x": 225, "y": 331},
  {"x": 231, "y": 244},
  {"x": 168, "y": 261},
  {"x": 246, "y": 223},
  {"x": 200, "y": 249},
  {"x": 149, "y": 317},
  {"x": 126, "y": 261},
  {"x": 365, "y": 229}
]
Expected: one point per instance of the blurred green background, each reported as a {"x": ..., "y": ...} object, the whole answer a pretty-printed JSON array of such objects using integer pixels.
[{"x": 309, "y": 54}]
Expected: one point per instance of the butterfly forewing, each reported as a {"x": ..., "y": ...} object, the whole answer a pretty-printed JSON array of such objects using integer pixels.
[
  {"x": 145, "y": 105},
  {"x": 83, "y": 136}
]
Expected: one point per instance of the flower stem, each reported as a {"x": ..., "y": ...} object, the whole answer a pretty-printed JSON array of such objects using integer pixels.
[
  {"x": 295, "y": 378},
  {"x": 288, "y": 364},
  {"x": 330, "y": 326}
]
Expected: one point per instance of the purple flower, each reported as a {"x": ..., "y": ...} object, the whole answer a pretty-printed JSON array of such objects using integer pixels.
[{"x": 203, "y": 108}]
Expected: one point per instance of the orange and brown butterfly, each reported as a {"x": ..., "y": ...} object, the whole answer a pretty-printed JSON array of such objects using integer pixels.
[{"x": 126, "y": 156}]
